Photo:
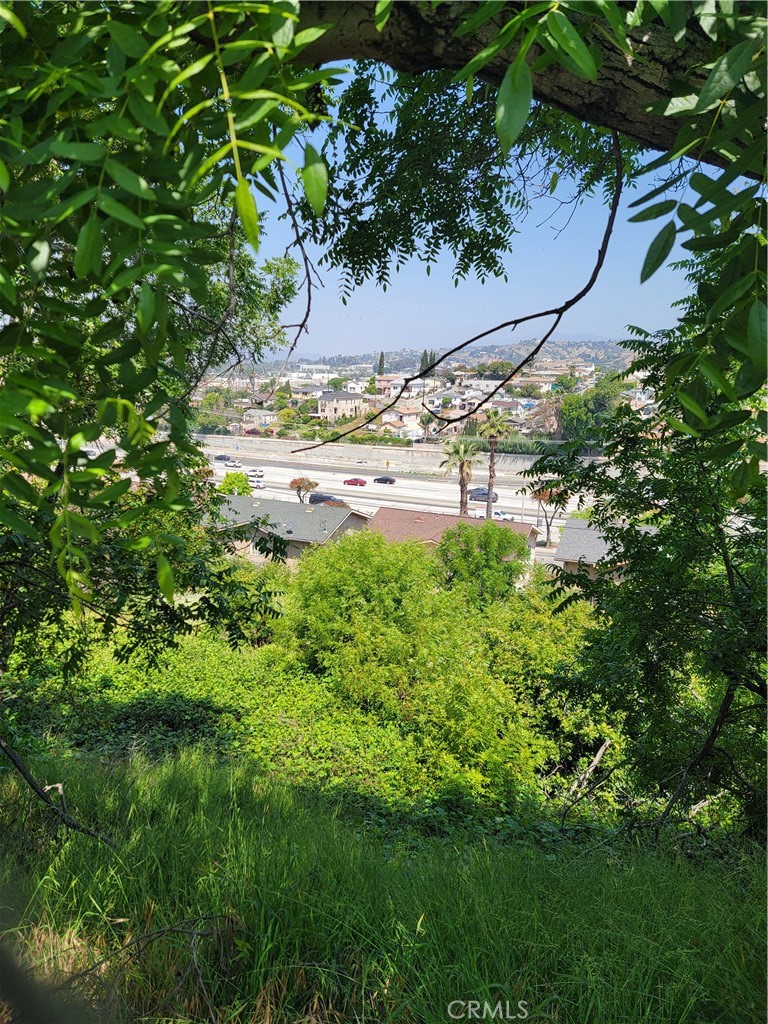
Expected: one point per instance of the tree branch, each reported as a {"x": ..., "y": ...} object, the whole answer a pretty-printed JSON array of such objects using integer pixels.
[{"x": 40, "y": 792}]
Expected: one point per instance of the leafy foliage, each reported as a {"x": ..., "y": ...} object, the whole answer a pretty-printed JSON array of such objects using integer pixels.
[
  {"x": 487, "y": 560},
  {"x": 235, "y": 483}
]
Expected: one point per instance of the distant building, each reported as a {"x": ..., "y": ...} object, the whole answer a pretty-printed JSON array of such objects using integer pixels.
[{"x": 331, "y": 405}]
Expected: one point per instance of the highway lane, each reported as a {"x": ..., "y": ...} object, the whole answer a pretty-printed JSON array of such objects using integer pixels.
[{"x": 426, "y": 494}]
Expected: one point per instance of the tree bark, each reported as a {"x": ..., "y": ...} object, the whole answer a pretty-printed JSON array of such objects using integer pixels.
[
  {"x": 492, "y": 442},
  {"x": 419, "y": 38}
]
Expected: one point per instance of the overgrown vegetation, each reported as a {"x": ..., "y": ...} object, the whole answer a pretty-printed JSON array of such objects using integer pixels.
[{"x": 237, "y": 899}]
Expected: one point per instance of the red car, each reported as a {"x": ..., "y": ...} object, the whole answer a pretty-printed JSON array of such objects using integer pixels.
[{"x": 355, "y": 481}]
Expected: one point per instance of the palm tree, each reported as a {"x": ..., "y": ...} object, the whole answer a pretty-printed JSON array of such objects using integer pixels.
[
  {"x": 496, "y": 427},
  {"x": 461, "y": 455}
]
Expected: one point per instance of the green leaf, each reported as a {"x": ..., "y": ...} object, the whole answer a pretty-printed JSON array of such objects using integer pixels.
[
  {"x": 82, "y": 152},
  {"x": 513, "y": 103},
  {"x": 89, "y": 248},
  {"x": 569, "y": 40},
  {"x": 725, "y": 451},
  {"x": 5, "y": 178},
  {"x": 483, "y": 13},
  {"x": 689, "y": 402},
  {"x": 40, "y": 254},
  {"x": 246, "y": 207},
  {"x": 283, "y": 35},
  {"x": 146, "y": 115},
  {"x": 14, "y": 521},
  {"x": 128, "y": 179},
  {"x": 314, "y": 176},
  {"x": 741, "y": 479},
  {"x": 662, "y": 9},
  {"x": 127, "y": 39},
  {"x": 114, "y": 208},
  {"x": 307, "y": 36},
  {"x": 683, "y": 428},
  {"x": 165, "y": 577},
  {"x": 726, "y": 74},
  {"x": 381, "y": 13},
  {"x": 658, "y": 251},
  {"x": 657, "y": 210},
  {"x": 7, "y": 15},
  {"x": 713, "y": 374},
  {"x": 757, "y": 327},
  {"x": 731, "y": 295},
  {"x": 145, "y": 308},
  {"x": 112, "y": 492}
]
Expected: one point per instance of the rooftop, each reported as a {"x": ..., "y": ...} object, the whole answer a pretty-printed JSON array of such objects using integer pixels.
[
  {"x": 308, "y": 524},
  {"x": 399, "y": 524}
]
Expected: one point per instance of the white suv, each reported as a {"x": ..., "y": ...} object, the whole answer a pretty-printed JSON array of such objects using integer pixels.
[{"x": 258, "y": 472}]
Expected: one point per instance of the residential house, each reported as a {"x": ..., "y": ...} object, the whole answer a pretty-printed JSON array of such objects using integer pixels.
[
  {"x": 301, "y": 525},
  {"x": 254, "y": 418},
  {"x": 583, "y": 546},
  {"x": 399, "y": 524},
  {"x": 332, "y": 405}
]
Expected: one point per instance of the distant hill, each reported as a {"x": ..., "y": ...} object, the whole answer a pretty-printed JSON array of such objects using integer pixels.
[{"x": 604, "y": 352}]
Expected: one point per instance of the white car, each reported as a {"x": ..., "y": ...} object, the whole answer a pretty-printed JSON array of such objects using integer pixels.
[
  {"x": 257, "y": 485},
  {"x": 497, "y": 514},
  {"x": 257, "y": 472},
  {"x": 233, "y": 464}
]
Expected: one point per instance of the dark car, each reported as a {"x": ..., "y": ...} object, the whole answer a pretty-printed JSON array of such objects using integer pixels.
[
  {"x": 383, "y": 479},
  {"x": 221, "y": 458},
  {"x": 317, "y": 498},
  {"x": 481, "y": 494}
]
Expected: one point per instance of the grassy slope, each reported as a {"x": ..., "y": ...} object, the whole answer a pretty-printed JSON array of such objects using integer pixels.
[{"x": 292, "y": 915}]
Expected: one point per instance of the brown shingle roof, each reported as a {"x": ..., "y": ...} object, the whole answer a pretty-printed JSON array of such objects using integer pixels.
[{"x": 398, "y": 524}]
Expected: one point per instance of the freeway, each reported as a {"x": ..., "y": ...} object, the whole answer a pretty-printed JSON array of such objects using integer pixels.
[{"x": 426, "y": 493}]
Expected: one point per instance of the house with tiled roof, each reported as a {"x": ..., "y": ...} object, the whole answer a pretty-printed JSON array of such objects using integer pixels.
[{"x": 400, "y": 524}]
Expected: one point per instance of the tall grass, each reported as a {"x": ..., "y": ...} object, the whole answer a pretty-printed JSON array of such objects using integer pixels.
[{"x": 236, "y": 901}]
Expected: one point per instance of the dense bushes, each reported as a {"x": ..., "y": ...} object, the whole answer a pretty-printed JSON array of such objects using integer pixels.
[
  {"x": 432, "y": 689},
  {"x": 383, "y": 678}
]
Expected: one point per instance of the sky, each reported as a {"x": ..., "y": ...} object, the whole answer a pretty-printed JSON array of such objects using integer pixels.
[{"x": 545, "y": 268}]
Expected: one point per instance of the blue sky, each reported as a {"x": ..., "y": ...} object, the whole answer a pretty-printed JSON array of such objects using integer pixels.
[{"x": 420, "y": 311}]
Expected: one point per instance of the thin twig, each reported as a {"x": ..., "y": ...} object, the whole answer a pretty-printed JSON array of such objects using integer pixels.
[{"x": 40, "y": 792}]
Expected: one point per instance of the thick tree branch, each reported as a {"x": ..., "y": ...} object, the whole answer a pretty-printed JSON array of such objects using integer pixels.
[{"x": 419, "y": 38}]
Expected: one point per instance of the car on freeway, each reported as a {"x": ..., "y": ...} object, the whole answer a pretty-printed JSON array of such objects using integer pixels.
[
  {"x": 221, "y": 458},
  {"x": 233, "y": 464},
  {"x": 383, "y": 479},
  {"x": 355, "y": 481},
  {"x": 257, "y": 485},
  {"x": 481, "y": 494},
  {"x": 257, "y": 472},
  {"x": 317, "y": 498},
  {"x": 503, "y": 517}
]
